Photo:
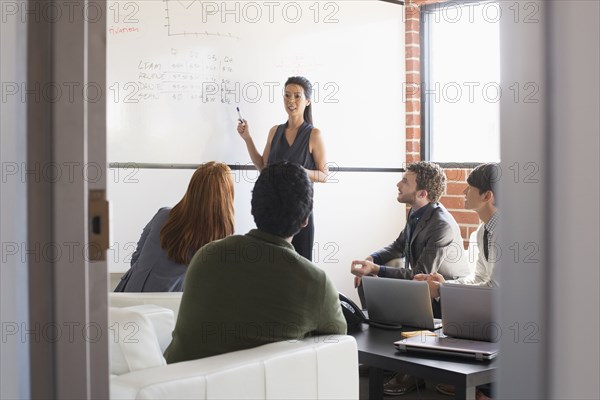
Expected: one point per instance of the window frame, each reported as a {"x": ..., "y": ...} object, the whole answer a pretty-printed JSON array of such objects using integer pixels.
[{"x": 425, "y": 73}]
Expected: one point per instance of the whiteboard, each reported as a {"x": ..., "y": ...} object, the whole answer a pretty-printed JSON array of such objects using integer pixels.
[{"x": 177, "y": 70}]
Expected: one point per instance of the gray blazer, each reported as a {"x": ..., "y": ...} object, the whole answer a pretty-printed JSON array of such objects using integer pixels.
[
  {"x": 151, "y": 269},
  {"x": 436, "y": 246}
]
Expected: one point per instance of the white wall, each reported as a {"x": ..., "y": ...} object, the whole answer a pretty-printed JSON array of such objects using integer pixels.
[{"x": 14, "y": 363}]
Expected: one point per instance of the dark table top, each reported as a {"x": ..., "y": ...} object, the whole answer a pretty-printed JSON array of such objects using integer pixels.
[{"x": 376, "y": 348}]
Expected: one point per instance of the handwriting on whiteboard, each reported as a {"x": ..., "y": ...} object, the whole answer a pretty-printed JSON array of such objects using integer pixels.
[{"x": 182, "y": 76}]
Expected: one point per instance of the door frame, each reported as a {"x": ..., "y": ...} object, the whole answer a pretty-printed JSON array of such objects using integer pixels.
[{"x": 66, "y": 58}]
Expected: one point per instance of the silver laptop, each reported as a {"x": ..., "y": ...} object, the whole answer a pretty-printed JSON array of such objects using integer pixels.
[
  {"x": 468, "y": 312},
  {"x": 440, "y": 344},
  {"x": 469, "y": 327},
  {"x": 398, "y": 303}
]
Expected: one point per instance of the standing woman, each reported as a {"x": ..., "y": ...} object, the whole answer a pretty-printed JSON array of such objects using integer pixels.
[
  {"x": 172, "y": 237},
  {"x": 296, "y": 141}
]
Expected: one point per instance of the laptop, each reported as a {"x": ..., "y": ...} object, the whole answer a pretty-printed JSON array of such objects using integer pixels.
[
  {"x": 469, "y": 329},
  {"x": 398, "y": 303},
  {"x": 468, "y": 312},
  {"x": 439, "y": 344}
]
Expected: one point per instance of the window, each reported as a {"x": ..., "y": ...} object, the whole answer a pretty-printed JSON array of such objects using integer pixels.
[{"x": 460, "y": 58}]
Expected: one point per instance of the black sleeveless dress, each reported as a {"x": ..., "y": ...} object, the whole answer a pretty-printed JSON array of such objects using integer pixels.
[{"x": 297, "y": 153}]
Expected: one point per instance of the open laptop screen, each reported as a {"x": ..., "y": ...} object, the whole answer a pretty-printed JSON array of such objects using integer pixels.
[
  {"x": 468, "y": 312},
  {"x": 399, "y": 302}
]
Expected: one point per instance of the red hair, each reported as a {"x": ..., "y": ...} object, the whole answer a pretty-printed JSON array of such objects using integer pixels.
[{"x": 205, "y": 213}]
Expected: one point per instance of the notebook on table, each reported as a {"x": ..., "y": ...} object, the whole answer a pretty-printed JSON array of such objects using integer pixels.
[
  {"x": 469, "y": 328},
  {"x": 398, "y": 303}
]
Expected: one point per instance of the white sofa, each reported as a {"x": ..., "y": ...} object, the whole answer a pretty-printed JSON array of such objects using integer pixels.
[{"x": 322, "y": 367}]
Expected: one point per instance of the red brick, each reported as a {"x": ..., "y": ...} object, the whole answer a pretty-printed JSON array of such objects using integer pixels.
[
  {"x": 469, "y": 229},
  {"x": 413, "y": 146},
  {"x": 412, "y": 37},
  {"x": 413, "y": 86},
  {"x": 453, "y": 203},
  {"x": 413, "y": 65},
  {"x": 454, "y": 188},
  {"x": 412, "y": 24},
  {"x": 412, "y": 106},
  {"x": 472, "y": 228},
  {"x": 413, "y": 133},
  {"x": 412, "y": 51},
  {"x": 413, "y": 94},
  {"x": 413, "y": 120},
  {"x": 410, "y": 158},
  {"x": 466, "y": 217},
  {"x": 464, "y": 232},
  {"x": 411, "y": 10},
  {"x": 455, "y": 174}
]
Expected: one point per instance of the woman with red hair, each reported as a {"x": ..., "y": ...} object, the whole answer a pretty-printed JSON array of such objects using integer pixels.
[{"x": 172, "y": 237}]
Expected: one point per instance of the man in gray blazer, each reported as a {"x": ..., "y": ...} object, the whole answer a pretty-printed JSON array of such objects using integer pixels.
[
  {"x": 429, "y": 243},
  {"x": 431, "y": 240}
]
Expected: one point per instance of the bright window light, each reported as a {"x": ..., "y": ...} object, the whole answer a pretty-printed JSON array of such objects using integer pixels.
[{"x": 461, "y": 88}]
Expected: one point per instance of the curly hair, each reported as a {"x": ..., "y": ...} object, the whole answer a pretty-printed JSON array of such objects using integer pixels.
[
  {"x": 430, "y": 177},
  {"x": 282, "y": 199}
]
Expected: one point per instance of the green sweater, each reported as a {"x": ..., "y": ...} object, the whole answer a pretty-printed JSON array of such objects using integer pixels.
[{"x": 245, "y": 291}]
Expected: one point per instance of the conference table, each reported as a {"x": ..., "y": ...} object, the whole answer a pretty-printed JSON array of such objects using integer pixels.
[{"x": 376, "y": 350}]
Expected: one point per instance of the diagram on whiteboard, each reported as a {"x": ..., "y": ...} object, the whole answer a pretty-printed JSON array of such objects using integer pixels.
[
  {"x": 232, "y": 19},
  {"x": 194, "y": 18}
]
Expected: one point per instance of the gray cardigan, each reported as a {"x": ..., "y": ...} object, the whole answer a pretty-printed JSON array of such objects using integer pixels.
[{"x": 151, "y": 269}]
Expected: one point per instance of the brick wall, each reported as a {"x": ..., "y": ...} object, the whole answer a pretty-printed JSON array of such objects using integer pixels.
[
  {"x": 413, "y": 79},
  {"x": 453, "y": 200}
]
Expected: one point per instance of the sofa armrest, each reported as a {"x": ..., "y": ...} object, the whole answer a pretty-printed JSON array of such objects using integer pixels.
[{"x": 321, "y": 367}]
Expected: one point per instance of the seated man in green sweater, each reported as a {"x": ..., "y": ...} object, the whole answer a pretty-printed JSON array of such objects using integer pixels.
[{"x": 248, "y": 290}]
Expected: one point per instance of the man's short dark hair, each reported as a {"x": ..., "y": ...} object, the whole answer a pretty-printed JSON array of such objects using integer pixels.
[
  {"x": 484, "y": 176},
  {"x": 282, "y": 199},
  {"x": 429, "y": 177}
]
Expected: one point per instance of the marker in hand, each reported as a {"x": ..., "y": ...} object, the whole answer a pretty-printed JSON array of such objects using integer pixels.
[{"x": 240, "y": 116}]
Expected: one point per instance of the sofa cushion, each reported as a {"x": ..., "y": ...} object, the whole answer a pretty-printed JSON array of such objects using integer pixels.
[
  {"x": 169, "y": 300},
  {"x": 134, "y": 343},
  {"x": 162, "y": 320}
]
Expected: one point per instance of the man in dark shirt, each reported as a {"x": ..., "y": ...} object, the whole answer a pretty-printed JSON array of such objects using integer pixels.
[{"x": 248, "y": 290}]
